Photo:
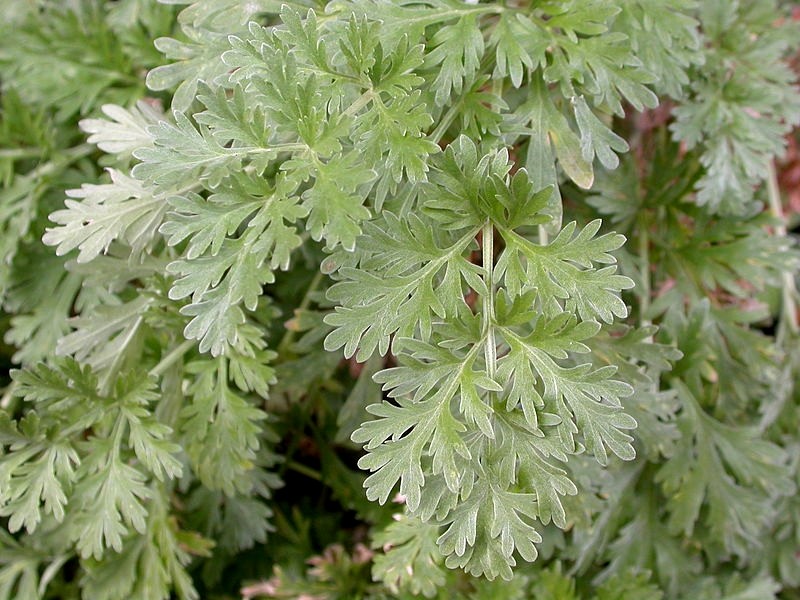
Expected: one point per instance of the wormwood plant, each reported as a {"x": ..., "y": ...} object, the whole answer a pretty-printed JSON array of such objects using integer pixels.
[{"x": 509, "y": 282}]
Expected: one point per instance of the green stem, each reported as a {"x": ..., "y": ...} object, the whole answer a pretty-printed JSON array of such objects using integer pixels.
[
  {"x": 18, "y": 153},
  {"x": 544, "y": 239},
  {"x": 594, "y": 542},
  {"x": 107, "y": 381},
  {"x": 487, "y": 244},
  {"x": 789, "y": 289},
  {"x": 288, "y": 147},
  {"x": 288, "y": 337},
  {"x": 330, "y": 73},
  {"x": 171, "y": 358},
  {"x": 445, "y": 122},
  {"x": 644, "y": 267},
  {"x": 64, "y": 158},
  {"x": 304, "y": 470},
  {"x": 222, "y": 372},
  {"x": 116, "y": 436},
  {"x": 8, "y": 394},
  {"x": 360, "y": 102}
]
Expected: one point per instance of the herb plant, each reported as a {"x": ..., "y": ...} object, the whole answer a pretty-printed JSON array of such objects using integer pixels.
[{"x": 416, "y": 298}]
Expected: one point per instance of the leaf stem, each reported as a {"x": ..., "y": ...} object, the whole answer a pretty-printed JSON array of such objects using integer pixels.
[
  {"x": 595, "y": 542},
  {"x": 544, "y": 239},
  {"x": 18, "y": 153},
  {"x": 107, "y": 381},
  {"x": 171, "y": 358},
  {"x": 789, "y": 289},
  {"x": 487, "y": 246},
  {"x": 444, "y": 123},
  {"x": 360, "y": 102},
  {"x": 57, "y": 164},
  {"x": 288, "y": 337},
  {"x": 116, "y": 435},
  {"x": 288, "y": 147},
  {"x": 8, "y": 394},
  {"x": 644, "y": 267},
  {"x": 304, "y": 470},
  {"x": 222, "y": 371}
]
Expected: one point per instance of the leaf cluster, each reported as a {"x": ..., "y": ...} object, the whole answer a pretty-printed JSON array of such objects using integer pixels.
[{"x": 372, "y": 299}]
